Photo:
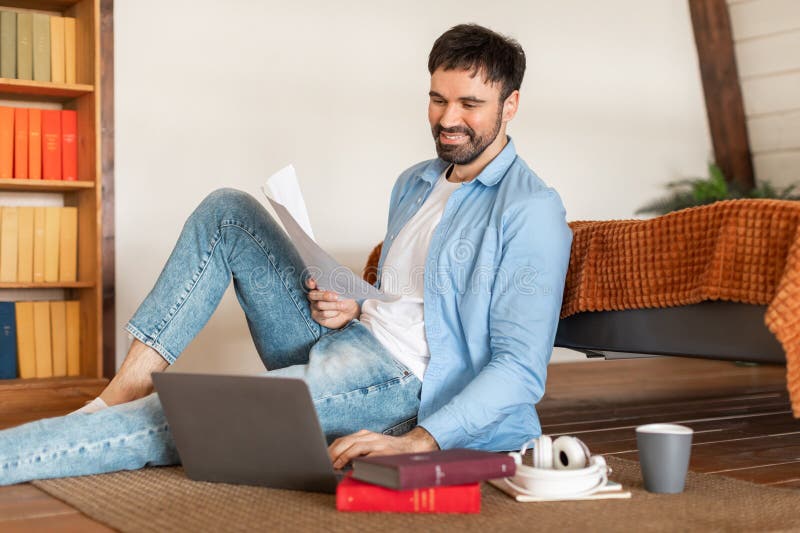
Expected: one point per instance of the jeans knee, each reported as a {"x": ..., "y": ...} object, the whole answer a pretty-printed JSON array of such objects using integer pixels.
[{"x": 226, "y": 204}]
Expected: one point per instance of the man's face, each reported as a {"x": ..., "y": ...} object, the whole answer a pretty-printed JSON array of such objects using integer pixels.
[{"x": 465, "y": 114}]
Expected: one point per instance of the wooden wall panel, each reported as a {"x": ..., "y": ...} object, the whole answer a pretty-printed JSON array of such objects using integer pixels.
[{"x": 771, "y": 94}]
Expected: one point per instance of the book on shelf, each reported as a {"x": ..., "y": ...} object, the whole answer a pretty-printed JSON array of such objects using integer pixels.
[
  {"x": 6, "y": 142},
  {"x": 26, "y": 340},
  {"x": 9, "y": 232},
  {"x": 73, "y": 317},
  {"x": 432, "y": 469},
  {"x": 51, "y": 144},
  {"x": 68, "y": 244},
  {"x": 42, "y": 342},
  {"x": 38, "y": 244},
  {"x": 52, "y": 238},
  {"x": 25, "y": 216},
  {"x": 354, "y": 495},
  {"x": 21, "y": 132},
  {"x": 41, "y": 47},
  {"x": 8, "y": 341},
  {"x": 57, "y": 59},
  {"x": 25, "y": 46},
  {"x": 70, "y": 63},
  {"x": 35, "y": 144},
  {"x": 58, "y": 337},
  {"x": 69, "y": 145},
  {"x": 8, "y": 44}
]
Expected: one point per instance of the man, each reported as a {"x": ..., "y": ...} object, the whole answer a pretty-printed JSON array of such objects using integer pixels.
[{"x": 475, "y": 254}]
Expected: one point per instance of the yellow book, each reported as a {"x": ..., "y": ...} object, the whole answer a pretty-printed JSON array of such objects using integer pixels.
[
  {"x": 8, "y": 244},
  {"x": 58, "y": 335},
  {"x": 26, "y": 354},
  {"x": 25, "y": 244},
  {"x": 41, "y": 339},
  {"x": 57, "y": 56},
  {"x": 73, "y": 338},
  {"x": 38, "y": 244},
  {"x": 68, "y": 244},
  {"x": 70, "y": 69},
  {"x": 52, "y": 221}
]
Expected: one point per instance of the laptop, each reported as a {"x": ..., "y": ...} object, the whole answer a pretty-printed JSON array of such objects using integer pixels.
[{"x": 249, "y": 430}]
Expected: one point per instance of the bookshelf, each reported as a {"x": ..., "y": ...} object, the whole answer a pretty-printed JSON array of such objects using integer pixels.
[{"x": 34, "y": 395}]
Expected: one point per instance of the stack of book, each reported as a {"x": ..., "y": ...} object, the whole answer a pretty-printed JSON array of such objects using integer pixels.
[
  {"x": 39, "y": 339},
  {"x": 36, "y": 46},
  {"x": 38, "y": 143},
  {"x": 446, "y": 481},
  {"x": 38, "y": 244}
]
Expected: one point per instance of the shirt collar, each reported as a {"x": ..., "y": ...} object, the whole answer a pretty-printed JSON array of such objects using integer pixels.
[{"x": 490, "y": 175}]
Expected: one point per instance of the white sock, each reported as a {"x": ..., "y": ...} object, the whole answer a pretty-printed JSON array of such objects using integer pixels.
[{"x": 92, "y": 407}]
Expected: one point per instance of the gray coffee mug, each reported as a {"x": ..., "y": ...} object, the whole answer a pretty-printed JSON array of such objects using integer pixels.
[{"x": 664, "y": 451}]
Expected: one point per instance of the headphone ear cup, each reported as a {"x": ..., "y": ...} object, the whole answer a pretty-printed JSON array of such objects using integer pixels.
[
  {"x": 543, "y": 452},
  {"x": 569, "y": 453}
]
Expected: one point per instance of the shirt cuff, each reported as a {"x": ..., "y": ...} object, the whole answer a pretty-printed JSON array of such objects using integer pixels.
[{"x": 442, "y": 425}]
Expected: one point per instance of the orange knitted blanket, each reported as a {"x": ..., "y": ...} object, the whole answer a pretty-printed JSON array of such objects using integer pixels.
[{"x": 744, "y": 251}]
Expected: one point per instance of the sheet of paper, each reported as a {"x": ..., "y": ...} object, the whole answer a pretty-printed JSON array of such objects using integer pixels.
[
  {"x": 284, "y": 188},
  {"x": 329, "y": 273}
]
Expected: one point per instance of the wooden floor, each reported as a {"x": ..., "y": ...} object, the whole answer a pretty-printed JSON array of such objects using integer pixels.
[{"x": 740, "y": 414}]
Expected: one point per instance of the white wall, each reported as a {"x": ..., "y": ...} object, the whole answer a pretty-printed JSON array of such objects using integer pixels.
[
  {"x": 212, "y": 94},
  {"x": 766, "y": 34}
]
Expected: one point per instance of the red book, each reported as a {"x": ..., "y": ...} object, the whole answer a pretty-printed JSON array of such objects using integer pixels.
[
  {"x": 35, "y": 144},
  {"x": 6, "y": 142},
  {"x": 352, "y": 495},
  {"x": 69, "y": 145},
  {"x": 51, "y": 144},
  {"x": 444, "y": 467},
  {"x": 21, "y": 143}
]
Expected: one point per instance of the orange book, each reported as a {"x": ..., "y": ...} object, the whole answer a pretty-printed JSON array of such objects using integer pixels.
[
  {"x": 51, "y": 144},
  {"x": 21, "y": 143},
  {"x": 69, "y": 145},
  {"x": 35, "y": 144},
  {"x": 6, "y": 142}
]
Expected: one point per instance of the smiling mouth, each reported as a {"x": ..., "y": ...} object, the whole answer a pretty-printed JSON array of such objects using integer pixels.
[{"x": 452, "y": 138}]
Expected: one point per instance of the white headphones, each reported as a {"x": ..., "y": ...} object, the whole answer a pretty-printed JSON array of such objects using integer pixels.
[{"x": 563, "y": 468}]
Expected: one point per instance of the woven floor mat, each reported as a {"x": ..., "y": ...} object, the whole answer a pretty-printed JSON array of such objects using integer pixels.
[{"x": 163, "y": 499}]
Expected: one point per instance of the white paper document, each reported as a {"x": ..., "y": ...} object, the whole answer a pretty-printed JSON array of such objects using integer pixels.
[{"x": 329, "y": 273}]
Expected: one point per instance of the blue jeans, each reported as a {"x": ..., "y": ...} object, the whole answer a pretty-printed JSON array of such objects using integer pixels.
[{"x": 355, "y": 382}]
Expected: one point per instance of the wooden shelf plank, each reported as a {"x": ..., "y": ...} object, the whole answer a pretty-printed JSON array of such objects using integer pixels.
[
  {"x": 51, "y": 285},
  {"x": 43, "y": 89},
  {"x": 44, "y": 185},
  {"x": 50, "y": 383}
]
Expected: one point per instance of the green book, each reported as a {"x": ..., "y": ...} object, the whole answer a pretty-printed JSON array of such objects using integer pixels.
[
  {"x": 41, "y": 47},
  {"x": 8, "y": 44},
  {"x": 25, "y": 46}
]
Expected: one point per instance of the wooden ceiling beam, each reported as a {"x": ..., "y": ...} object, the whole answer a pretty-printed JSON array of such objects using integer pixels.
[{"x": 723, "y": 94}]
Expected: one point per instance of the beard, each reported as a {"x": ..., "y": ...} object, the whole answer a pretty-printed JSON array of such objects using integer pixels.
[{"x": 464, "y": 154}]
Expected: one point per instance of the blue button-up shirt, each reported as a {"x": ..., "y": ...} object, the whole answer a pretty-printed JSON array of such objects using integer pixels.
[{"x": 494, "y": 278}]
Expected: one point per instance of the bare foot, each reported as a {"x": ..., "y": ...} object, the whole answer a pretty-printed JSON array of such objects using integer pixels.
[{"x": 133, "y": 380}]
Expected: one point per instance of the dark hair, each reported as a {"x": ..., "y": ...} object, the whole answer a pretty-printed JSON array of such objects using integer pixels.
[{"x": 472, "y": 47}]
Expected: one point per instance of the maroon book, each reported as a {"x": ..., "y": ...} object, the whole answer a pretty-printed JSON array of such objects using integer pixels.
[{"x": 445, "y": 467}]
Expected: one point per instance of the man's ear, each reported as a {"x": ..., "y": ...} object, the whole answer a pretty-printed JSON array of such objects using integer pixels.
[{"x": 510, "y": 106}]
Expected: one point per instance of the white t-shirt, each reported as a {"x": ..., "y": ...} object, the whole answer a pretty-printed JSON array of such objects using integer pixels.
[{"x": 399, "y": 324}]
